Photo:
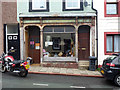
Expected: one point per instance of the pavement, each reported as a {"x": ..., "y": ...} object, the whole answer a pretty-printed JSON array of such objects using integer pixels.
[{"x": 37, "y": 69}]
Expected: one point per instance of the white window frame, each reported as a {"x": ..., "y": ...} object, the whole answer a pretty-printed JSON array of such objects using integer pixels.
[
  {"x": 39, "y": 8},
  {"x": 66, "y": 4}
]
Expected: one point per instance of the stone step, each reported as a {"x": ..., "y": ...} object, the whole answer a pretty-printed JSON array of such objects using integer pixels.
[{"x": 83, "y": 65}]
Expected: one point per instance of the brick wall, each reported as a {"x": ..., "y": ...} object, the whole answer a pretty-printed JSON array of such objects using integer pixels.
[{"x": 9, "y": 12}]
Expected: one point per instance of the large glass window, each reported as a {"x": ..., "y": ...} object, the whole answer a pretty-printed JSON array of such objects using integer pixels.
[{"x": 59, "y": 43}]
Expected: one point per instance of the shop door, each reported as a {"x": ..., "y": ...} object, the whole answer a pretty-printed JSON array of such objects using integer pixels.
[
  {"x": 84, "y": 43},
  {"x": 34, "y": 45}
]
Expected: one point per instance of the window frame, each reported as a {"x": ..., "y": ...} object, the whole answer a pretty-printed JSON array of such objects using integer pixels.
[
  {"x": 38, "y": 10},
  {"x": 112, "y": 15},
  {"x": 73, "y": 9},
  {"x": 105, "y": 42}
]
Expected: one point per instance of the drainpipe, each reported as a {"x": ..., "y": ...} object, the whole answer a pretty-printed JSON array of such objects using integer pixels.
[{"x": 96, "y": 30}]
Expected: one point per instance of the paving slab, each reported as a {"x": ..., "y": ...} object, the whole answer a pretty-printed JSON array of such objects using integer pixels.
[
  {"x": 35, "y": 68},
  {"x": 76, "y": 71},
  {"x": 69, "y": 71},
  {"x": 56, "y": 70},
  {"x": 43, "y": 69},
  {"x": 50, "y": 70},
  {"x": 63, "y": 70}
]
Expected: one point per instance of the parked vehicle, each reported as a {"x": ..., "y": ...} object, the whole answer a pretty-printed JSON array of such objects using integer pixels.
[
  {"x": 17, "y": 66},
  {"x": 111, "y": 68}
]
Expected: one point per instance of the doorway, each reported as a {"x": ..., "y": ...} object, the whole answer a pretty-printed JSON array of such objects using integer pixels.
[
  {"x": 84, "y": 42},
  {"x": 34, "y": 43}
]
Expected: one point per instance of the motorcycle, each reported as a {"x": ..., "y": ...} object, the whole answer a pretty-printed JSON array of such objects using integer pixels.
[{"x": 9, "y": 64}]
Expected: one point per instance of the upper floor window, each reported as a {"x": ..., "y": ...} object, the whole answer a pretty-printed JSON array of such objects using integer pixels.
[
  {"x": 72, "y": 5},
  {"x": 39, "y": 5},
  {"x": 112, "y": 8},
  {"x": 112, "y": 42}
]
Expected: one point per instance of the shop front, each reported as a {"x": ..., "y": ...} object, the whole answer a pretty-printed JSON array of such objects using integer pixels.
[{"x": 57, "y": 39}]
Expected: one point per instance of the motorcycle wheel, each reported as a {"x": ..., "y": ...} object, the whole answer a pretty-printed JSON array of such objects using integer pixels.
[
  {"x": 3, "y": 69},
  {"x": 23, "y": 72}
]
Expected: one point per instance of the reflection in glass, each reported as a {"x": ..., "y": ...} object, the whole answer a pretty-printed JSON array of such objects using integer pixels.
[
  {"x": 111, "y": 8},
  {"x": 75, "y": 4},
  {"x": 39, "y": 4},
  {"x": 59, "y": 45}
]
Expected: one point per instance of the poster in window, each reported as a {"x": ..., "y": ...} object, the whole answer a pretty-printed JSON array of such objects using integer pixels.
[
  {"x": 32, "y": 44},
  {"x": 37, "y": 45}
]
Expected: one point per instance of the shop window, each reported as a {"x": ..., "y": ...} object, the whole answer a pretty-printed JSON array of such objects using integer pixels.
[
  {"x": 48, "y": 29},
  {"x": 58, "y": 29},
  {"x": 59, "y": 44},
  {"x": 112, "y": 8},
  {"x": 56, "y": 43},
  {"x": 72, "y": 5},
  {"x": 112, "y": 43},
  {"x": 39, "y": 5},
  {"x": 69, "y": 29}
]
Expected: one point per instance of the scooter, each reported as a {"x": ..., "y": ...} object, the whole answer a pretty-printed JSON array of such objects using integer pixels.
[{"x": 9, "y": 64}]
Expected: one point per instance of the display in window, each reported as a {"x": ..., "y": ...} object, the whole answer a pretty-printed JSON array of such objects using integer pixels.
[
  {"x": 56, "y": 43},
  {"x": 32, "y": 44},
  {"x": 37, "y": 45},
  {"x": 48, "y": 42},
  {"x": 59, "y": 45}
]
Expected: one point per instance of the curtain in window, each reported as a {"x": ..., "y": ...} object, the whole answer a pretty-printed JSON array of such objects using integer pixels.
[
  {"x": 109, "y": 44},
  {"x": 117, "y": 43}
]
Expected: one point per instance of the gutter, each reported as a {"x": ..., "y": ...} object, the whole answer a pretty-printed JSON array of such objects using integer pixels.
[{"x": 96, "y": 30}]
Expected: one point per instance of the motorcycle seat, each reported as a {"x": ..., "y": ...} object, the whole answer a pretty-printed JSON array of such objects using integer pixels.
[{"x": 16, "y": 61}]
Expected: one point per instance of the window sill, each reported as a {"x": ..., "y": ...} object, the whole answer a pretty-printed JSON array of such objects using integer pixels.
[
  {"x": 115, "y": 15},
  {"x": 106, "y": 53}
]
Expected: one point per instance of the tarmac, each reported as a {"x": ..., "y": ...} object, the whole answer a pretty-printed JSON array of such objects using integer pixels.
[{"x": 37, "y": 69}]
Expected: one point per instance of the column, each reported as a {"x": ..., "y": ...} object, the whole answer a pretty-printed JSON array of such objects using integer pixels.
[
  {"x": 76, "y": 44},
  {"x": 92, "y": 41},
  {"x": 21, "y": 42},
  {"x": 41, "y": 45}
]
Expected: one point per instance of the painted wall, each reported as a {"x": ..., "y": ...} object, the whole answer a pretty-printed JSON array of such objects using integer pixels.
[
  {"x": 8, "y": 15},
  {"x": 1, "y": 31},
  {"x": 55, "y": 6},
  {"x": 105, "y": 24}
]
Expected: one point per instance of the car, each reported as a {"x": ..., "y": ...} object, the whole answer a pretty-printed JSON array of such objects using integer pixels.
[{"x": 111, "y": 68}]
